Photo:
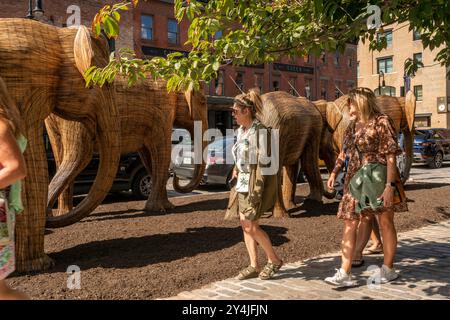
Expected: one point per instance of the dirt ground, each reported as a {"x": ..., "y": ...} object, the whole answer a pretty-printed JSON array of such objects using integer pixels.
[{"x": 124, "y": 253}]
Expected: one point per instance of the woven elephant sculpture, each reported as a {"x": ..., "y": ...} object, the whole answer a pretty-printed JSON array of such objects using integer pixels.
[
  {"x": 147, "y": 115},
  {"x": 300, "y": 125},
  {"x": 42, "y": 67},
  {"x": 400, "y": 109}
]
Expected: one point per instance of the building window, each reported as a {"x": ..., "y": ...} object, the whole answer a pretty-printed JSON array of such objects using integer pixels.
[
  {"x": 416, "y": 35},
  {"x": 336, "y": 58},
  {"x": 357, "y": 69},
  {"x": 259, "y": 81},
  {"x": 218, "y": 35},
  {"x": 173, "y": 32},
  {"x": 219, "y": 85},
  {"x": 276, "y": 84},
  {"x": 240, "y": 80},
  {"x": 402, "y": 91},
  {"x": 337, "y": 89},
  {"x": 308, "y": 88},
  {"x": 350, "y": 85},
  {"x": 418, "y": 57},
  {"x": 323, "y": 57},
  {"x": 422, "y": 121},
  {"x": 307, "y": 58},
  {"x": 385, "y": 65},
  {"x": 418, "y": 92},
  {"x": 323, "y": 89},
  {"x": 293, "y": 82},
  {"x": 387, "y": 35},
  {"x": 385, "y": 91},
  {"x": 350, "y": 61},
  {"x": 147, "y": 27}
]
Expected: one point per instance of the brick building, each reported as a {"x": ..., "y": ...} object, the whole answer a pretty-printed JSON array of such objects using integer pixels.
[
  {"x": 430, "y": 85},
  {"x": 151, "y": 30}
]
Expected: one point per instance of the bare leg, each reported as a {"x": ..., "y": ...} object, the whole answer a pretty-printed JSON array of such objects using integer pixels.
[
  {"x": 389, "y": 237},
  {"x": 375, "y": 236},
  {"x": 363, "y": 234},
  {"x": 252, "y": 248},
  {"x": 253, "y": 229},
  {"x": 6, "y": 293},
  {"x": 348, "y": 243}
]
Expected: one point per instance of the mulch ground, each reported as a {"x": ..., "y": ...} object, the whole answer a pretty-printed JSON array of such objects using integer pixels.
[{"x": 124, "y": 253}]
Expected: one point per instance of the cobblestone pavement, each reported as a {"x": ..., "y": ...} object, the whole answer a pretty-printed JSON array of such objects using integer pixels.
[{"x": 423, "y": 261}]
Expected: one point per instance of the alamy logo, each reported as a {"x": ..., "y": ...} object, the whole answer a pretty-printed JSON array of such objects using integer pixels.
[
  {"x": 374, "y": 20},
  {"x": 374, "y": 280},
  {"x": 74, "y": 19},
  {"x": 74, "y": 279}
]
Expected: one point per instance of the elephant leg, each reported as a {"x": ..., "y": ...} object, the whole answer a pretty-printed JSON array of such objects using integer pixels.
[
  {"x": 310, "y": 157},
  {"x": 157, "y": 161},
  {"x": 72, "y": 146},
  {"x": 279, "y": 210},
  {"x": 289, "y": 185},
  {"x": 30, "y": 224}
]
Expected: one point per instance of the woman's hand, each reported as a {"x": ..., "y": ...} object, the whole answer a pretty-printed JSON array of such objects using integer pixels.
[
  {"x": 387, "y": 196},
  {"x": 331, "y": 180},
  {"x": 235, "y": 174}
]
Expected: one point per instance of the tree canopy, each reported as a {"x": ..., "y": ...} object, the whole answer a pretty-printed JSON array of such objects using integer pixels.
[{"x": 259, "y": 31}]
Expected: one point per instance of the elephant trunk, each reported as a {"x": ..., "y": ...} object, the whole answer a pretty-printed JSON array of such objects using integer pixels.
[
  {"x": 198, "y": 109},
  {"x": 109, "y": 150}
]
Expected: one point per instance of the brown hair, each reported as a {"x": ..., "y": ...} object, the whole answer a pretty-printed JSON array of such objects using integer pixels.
[
  {"x": 366, "y": 102},
  {"x": 251, "y": 100},
  {"x": 9, "y": 111}
]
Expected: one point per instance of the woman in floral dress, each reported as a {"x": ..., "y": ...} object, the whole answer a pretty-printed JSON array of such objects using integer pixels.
[
  {"x": 12, "y": 169},
  {"x": 369, "y": 140}
]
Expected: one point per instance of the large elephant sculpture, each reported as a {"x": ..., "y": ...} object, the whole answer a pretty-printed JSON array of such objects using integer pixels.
[
  {"x": 400, "y": 109},
  {"x": 42, "y": 67},
  {"x": 300, "y": 125},
  {"x": 147, "y": 115}
]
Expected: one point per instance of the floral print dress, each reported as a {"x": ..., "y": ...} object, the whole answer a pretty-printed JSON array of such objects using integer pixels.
[
  {"x": 373, "y": 142},
  {"x": 7, "y": 219}
]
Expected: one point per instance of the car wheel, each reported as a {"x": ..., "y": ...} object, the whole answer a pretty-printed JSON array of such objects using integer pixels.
[
  {"x": 436, "y": 163},
  {"x": 142, "y": 185}
]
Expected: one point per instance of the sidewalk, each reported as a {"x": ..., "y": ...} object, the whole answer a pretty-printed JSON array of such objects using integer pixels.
[{"x": 423, "y": 261}]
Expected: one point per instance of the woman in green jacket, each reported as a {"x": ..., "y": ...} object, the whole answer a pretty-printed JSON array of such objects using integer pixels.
[{"x": 256, "y": 189}]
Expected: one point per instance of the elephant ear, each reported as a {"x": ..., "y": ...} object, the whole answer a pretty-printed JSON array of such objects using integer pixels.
[
  {"x": 410, "y": 109},
  {"x": 82, "y": 50}
]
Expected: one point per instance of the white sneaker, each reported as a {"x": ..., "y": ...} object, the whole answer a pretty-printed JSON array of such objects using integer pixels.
[
  {"x": 385, "y": 274},
  {"x": 341, "y": 279}
]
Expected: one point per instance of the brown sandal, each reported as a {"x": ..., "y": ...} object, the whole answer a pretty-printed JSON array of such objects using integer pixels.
[
  {"x": 248, "y": 273},
  {"x": 269, "y": 270}
]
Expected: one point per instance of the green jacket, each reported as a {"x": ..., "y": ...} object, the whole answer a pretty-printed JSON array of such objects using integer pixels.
[
  {"x": 263, "y": 189},
  {"x": 367, "y": 185}
]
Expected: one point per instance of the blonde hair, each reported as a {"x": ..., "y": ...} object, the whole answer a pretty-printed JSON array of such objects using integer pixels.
[
  {"x": 366, "y": 103},
  {"x": 252, "y": 101},
  {"x": 9, "y": 111}
]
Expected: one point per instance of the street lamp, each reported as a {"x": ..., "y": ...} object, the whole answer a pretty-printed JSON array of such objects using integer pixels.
[
  {"x": 37, "y": 12},
  {"x": 380, "y": 74}
]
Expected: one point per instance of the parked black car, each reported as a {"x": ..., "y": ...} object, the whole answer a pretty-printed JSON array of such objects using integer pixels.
[
  {"x": 131, "y": 174},
  {"x": 432, "y": 146}
]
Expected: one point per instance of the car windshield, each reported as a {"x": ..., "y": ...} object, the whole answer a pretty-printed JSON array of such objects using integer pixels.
[{"x": 423, "y": 133}]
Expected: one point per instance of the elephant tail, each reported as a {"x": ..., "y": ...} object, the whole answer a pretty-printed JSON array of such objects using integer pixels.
[{"x": 82, "y": 50}]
